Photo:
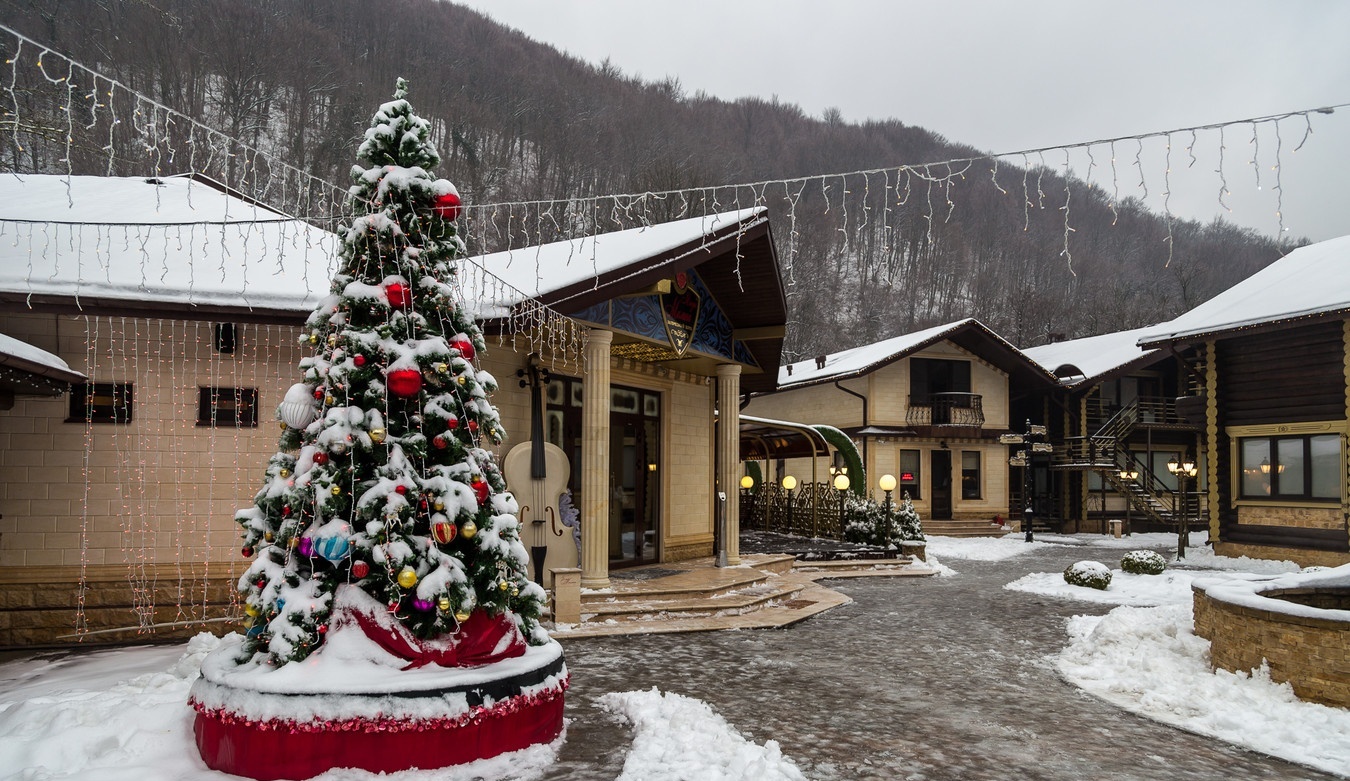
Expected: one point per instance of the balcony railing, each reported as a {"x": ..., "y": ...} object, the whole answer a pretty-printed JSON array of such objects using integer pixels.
[{"x": 946, "y": 409}]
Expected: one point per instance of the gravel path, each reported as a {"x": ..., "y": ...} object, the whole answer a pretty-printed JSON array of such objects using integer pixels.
[{"x": 932, "y": 678}]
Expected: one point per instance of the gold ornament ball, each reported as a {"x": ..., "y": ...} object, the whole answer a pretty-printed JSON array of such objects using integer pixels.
[
  {"x": 461, "y": 617},
  {"x": 462, "y": 380},
  {"x": 377, "y": 435},
  {"x": 515, "y": 592},
  {"x": 250, "y": 610},
  {"x": 328, "y": 400},
  {"x": 503, "y": 586},
  {"x": 444, "y": 604},
  {"x": 337, "y": 490},
  {"x": 468, "y": 529},
  {"x": 293, "y": 542},
  {"x": 439, "y": 506},
  {"x": 332, "y": 340},
  {"x": 407, "y": 577},
  {"x": 313, "y": 338},
  {"x": 281, "y": 424},
  {"x": 442, "y": 368},
  {"x": 285, "y": 473},
  {"x": 268, "y": 537}
]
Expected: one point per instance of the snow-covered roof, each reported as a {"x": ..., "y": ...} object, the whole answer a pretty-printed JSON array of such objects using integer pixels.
[
  {"x": 25, "y": 357},
  {"x": 546, "y": 269},
  {"x": 171, "y": 241},
  {"x": 1078, "y": 360},
  {"x": 1311, "y": 280},
  {"x": 861, "y": 360}
]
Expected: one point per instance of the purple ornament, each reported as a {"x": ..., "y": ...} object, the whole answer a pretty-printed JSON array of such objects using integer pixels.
[
  {"x": 306, "y": 546},
  {"x": 423, "y": 605}
]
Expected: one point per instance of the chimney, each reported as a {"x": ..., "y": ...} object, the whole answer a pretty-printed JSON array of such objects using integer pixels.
[
  {"x": 789, "y": 368},
  {"x": 820, "y": 362}
]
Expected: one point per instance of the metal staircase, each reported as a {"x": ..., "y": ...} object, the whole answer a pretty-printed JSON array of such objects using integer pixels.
[{"x": 1105, "y": 453}]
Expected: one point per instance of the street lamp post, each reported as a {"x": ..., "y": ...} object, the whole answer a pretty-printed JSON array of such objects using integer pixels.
[
  {"x": 887, "y": 484},
  {"x": 1128, "y": 476},
  {"x": 1183, "y": 469},
  {"x": 1034, "y": 438},
  {"x": 747, "y": 486},
  {"x": 841, "y": 484},
  {"x": 789, "y": 483}
]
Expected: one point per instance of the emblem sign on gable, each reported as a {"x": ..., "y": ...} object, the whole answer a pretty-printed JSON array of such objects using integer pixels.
[{"x": 680, "y": 308}]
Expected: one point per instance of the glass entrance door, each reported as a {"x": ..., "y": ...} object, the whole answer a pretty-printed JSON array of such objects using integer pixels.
[{"x": 635, "y": 477}]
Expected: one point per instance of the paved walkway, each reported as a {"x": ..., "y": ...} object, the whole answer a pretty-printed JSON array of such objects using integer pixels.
[{"x": 919, "y": 678}]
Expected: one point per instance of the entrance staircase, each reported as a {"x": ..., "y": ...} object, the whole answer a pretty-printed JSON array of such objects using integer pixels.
[{"x": 768, "y": 590}]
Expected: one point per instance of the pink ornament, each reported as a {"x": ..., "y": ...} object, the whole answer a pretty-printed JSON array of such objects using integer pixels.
[
  {"x": 423, "y": 605},
  {"x": 405, "y": 383},
  {"x": 447, "y": 206}
]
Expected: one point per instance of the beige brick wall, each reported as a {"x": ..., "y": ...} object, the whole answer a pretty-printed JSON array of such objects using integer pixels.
[
  {"x": 1311, "y": 654},
  {"x": 1299, "y": 517}
]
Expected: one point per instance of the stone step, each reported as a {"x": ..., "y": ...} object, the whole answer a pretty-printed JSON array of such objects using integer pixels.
[
  {"x": 807, "y": 600},
  {"x": 651, "y": 607},
  {"x": 975, "y": 528}
]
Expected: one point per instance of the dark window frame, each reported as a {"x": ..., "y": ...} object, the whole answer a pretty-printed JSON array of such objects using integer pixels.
[
  {"x": 1278, "y": 492},
  {"x": 84, "y": 408},
  {"x": 978, "y": 492},
  {"x": 243, "y": 413},
  {"x": 912, "y": 487}
]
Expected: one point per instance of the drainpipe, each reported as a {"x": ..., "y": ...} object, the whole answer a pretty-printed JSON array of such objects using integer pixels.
[{"x": 866, "y": 466}]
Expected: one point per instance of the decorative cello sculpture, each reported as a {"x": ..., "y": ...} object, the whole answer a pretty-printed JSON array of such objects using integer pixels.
[{"x": 537, "y": 473}]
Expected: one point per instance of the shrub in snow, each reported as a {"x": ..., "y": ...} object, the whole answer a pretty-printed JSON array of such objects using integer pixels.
[
  {"x": 1092, "y": 574},
  {"x": 871, "y": 523},
  {"x": 1143, "y": 562}
]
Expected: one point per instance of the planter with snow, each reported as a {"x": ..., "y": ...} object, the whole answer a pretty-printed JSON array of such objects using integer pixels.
[
  {"x": 1298, "y": 625},
  {"x": 1090, "y": 574}
]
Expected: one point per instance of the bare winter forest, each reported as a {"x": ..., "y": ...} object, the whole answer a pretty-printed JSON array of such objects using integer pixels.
[{"x": 866, "y": 256}]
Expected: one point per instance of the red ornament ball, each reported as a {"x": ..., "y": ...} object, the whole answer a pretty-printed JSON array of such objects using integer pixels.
[
  {"x": 318, "y": 393},
  {"x": 464, "y": 346},
  {"x": 320, "y": 458},
  {"x": 360, "y": 569},
  {"x": 405, "y": 383},
  {"x": 247, "y": 551},
  {"x": 440, "y": 442},
  {"x": 401, "y": 489},
  {"x": 444, "y": 532},
  {"x": 359, "y": 360},
  {"x": 473, "y": 426},
  {"x": 481, "y": 489},
  {"x": 453, "y": 423},
  {"x": 399, "y": 295},
  {"x": 447, "y": 206}
]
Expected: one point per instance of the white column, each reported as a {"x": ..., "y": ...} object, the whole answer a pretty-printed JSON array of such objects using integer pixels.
[
  {"x": 595, "y": 461},
  {"x": 729, "y": 455}
]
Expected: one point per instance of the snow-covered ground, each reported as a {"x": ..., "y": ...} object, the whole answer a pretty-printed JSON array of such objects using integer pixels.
[
  {"x": 1144, "y": 657},
  {"x": 122, "y": 715}
]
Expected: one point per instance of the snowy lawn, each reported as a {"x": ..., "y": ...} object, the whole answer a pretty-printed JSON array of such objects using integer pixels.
[{"x": 1145, "y": 658}]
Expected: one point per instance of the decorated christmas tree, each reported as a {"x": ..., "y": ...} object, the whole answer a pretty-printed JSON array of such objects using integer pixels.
[{"x": 384, "y": 479}]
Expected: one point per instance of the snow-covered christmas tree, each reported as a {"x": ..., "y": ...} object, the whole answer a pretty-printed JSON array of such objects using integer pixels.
[
  {"x": 383, "y": 480},
  {"x": 386, "y": 549}
]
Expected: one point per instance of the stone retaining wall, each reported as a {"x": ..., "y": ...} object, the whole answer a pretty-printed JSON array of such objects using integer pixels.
[{"x": 1312, "y": 654}]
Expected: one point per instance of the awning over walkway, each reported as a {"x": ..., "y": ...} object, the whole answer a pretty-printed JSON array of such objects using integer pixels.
[
  {"x": 764, "y": 439},
  {"x": 26, "y": 370}
]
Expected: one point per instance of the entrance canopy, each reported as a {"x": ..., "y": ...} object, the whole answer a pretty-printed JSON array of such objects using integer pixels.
[{"x": 763, "y": 439}]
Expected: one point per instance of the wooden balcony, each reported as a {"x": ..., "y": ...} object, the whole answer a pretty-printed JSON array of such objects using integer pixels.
[{"x": 946, "y": 410}]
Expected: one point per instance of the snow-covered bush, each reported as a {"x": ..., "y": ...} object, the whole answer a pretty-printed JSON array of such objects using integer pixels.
[
  {"x": 871, "y": 523},
  {"x": 1143, "y": 562},
  {"x": 1091, "y": 574}
]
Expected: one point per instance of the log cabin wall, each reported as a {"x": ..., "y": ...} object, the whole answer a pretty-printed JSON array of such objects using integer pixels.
[{"x": 1287, "y": 377}]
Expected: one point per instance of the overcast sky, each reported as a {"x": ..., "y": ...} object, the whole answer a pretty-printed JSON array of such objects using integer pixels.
[{"x": 1005, "y": 76}]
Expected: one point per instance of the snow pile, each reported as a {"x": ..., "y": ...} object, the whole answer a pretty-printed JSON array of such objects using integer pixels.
[
  {"x": 983, "y": 548},
  {"x": 1148, "y": 661},
  {"x": 1173, "y": 587},
  {"x": 679, "y": 738}
]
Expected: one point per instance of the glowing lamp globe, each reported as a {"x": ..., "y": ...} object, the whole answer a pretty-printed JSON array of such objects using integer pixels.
[
  {"x": 404, "y": 383},
  {"x": 886, "y": 483},
  {"x": 447, "y": 206}
]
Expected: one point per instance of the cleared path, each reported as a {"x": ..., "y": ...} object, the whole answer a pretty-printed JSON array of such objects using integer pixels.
[{"x": 932, "y": 678}]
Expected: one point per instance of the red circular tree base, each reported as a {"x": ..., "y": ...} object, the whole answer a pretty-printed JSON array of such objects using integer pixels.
[{"x": 268, "y": 750}]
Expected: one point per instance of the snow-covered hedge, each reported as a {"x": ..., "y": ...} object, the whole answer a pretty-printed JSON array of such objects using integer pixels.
[
  {"x": 1091, "y": 574},
  {"x": 1143, "y": 562},
  {"x": 870, "y": 523}
]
